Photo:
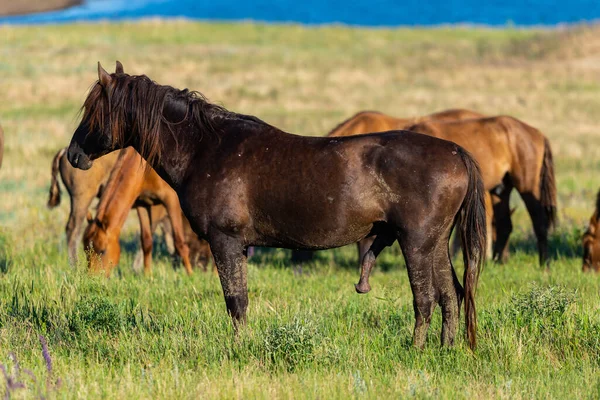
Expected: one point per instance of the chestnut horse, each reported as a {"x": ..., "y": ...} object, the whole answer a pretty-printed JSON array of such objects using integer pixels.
[
  {"x": 132, "y": 184},
  {"x": 591, "y": 241},
  {"x": 242, "y": 182},
  {"x": 83, "y": 187},
  {"x": 511, "y": 154}
]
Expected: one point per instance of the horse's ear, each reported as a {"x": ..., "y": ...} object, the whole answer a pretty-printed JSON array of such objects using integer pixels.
[
  {"x": 119, "y": 68},
  {"x": 103, "y": 77}
]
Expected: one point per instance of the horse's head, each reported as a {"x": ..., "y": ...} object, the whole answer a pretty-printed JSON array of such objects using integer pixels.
[
  {"x": 94, "y": 136},
  {"x": 591, "y": 246},
  {"x": 101, "y": 248}
]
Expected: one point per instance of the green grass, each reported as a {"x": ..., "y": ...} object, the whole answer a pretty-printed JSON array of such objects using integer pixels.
[{"x": 309, "y": 335}]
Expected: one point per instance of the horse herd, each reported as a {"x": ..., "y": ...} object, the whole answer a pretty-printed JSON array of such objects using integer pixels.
[{"x": 219, "y": 182}]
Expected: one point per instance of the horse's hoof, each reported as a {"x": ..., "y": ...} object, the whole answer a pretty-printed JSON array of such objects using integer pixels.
[{"x": 362, "y": 288}]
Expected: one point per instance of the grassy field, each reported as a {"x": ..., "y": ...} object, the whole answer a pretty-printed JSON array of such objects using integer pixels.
[{"x": 309, "y": 335}]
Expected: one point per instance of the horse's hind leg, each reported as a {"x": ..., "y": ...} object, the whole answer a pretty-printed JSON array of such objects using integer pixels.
[
  {"x": 380, "y": 242},
  {"x": 423, "y": 254},
  {"x": 146, "y": 236},
  {"x": 419, "y": 258},
  {"x": 503, "y": 222},
  {"x": 540, "y": 225},
  {"x": 450, "y": 292}
]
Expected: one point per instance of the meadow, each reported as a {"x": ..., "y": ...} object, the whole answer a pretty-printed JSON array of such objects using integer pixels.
[{"x": 309, "y": 335}]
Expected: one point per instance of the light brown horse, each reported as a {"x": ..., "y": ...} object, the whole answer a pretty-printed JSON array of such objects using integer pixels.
[
  {"x": 132, "y": 184},
  {"x": 511, "y": 154},
  {"x": 591, "y": 241},
  {"x": 83, "y": 187}
]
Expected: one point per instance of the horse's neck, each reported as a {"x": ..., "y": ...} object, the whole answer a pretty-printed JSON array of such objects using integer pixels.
[{"x": 178, "y": 149}]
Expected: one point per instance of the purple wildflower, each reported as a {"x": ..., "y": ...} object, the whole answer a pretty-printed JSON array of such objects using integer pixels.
[{"x": 46, "y": 354}]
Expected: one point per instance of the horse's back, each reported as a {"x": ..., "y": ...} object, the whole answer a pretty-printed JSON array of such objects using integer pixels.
[
  {"x": 453, "y": 114},
  {"x": 367, "y": 122}
]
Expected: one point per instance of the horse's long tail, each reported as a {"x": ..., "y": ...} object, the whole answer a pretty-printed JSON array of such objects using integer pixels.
[
  {"x": 548, "y": 185},
  {"x": 54, "y": 195},
  {"x": 474, "y": 238}
]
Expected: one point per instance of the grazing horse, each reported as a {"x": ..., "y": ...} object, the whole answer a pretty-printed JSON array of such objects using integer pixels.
[
  {"x": 591, "y": 241},
  {"x": 243, "y": 182},
  {"x": 132, "y": 184},
  {"x": 511, "y": 154},
  {"x": 83, "y": 187}
]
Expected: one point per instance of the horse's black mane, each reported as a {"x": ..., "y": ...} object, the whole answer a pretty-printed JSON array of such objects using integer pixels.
[{"x": 138, "y": 103}]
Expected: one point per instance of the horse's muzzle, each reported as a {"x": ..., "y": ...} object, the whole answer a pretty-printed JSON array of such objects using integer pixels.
[{"x": 78, "y": 158}]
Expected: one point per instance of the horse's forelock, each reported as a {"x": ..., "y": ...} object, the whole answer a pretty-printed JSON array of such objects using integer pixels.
[{"x": 93, "y": 108}]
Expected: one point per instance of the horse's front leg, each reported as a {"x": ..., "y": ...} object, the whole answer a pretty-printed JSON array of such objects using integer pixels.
[{"x": 230, "y": 259}]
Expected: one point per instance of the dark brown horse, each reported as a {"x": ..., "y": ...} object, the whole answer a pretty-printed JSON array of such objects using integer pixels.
[
  {"x": 591, "y": 241},
  {"x": 373, "y": 121},
  {"x": 243, "y": 182},
  {"x": 511, "y": 154}
]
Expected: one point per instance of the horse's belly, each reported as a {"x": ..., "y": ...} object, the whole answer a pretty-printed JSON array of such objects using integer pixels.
[{"x": 320, "y": 227}]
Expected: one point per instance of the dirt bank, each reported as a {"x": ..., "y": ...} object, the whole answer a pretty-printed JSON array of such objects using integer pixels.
[{"x": 15, "y": 7}]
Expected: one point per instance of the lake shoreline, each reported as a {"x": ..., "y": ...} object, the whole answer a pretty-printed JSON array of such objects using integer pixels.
[
  {"x": 13, "y": 8},
  {"x": 392, "y": 16}
]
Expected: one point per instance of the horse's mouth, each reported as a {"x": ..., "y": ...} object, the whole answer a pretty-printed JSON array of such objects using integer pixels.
[{"x": 80, "y": 160}]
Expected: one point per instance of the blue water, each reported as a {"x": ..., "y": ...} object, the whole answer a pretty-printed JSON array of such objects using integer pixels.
[{"x": 358, "y": 12}]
